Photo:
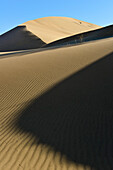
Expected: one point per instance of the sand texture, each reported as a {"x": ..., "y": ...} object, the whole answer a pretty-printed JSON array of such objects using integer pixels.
[{"x": 56, "y": 108}]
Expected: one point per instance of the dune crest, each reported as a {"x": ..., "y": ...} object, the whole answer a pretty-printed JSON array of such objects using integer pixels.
[
  {"x": 36, "y": 33},
  {"x": 50, "y": 29}
]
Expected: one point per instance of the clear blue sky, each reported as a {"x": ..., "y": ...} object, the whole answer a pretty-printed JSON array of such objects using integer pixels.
[{"x": 15, "y": 12}]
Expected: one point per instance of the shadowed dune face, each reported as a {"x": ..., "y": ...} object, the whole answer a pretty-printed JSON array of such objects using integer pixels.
[
  {"x": 73, "y": 118},
  {"x": 19, "y": 38},
  {"x": 76, "y": 116}
]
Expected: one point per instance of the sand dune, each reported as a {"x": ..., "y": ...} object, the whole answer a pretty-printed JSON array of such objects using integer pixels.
[
  {"x": 56, "y": 103},
  {"x": 56, "y": 108},
  {"x": 92, "y": 35},
  {"x": 19, "y": 38},
  {"x": 49, "y": 29},
  {"x": 36, "y": 33}
]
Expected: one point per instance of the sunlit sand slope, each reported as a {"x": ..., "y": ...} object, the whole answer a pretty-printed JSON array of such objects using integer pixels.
[
  {"x": 49, "y": 29},
  {"x": 56, "y": 108},
  {"x": 36, "y": 33}
]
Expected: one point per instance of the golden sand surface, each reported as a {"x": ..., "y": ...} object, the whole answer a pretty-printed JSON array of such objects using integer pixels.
[
  {"x": 82, "y": 73},
  {"x": 39, "y": 32},
  {"x": 49, "y": 29}
]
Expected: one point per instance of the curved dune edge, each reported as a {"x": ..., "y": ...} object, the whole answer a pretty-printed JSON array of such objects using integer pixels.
[
  {"x": 19, "y": 38},
  {"x": 36, "y": 33},
  {"x": 23, "y": 79},
  {"x": 50, "y": 29}
]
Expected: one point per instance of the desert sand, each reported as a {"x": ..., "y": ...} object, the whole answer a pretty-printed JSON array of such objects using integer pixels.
[
  {"x": 54, "y": 28},
  {"x": 36, "y": 33},
  {"x": 56, "y": 107}
]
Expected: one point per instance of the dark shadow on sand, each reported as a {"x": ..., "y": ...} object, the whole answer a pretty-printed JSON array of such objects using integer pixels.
[
  {"x": 76, "y": 116},
  {"x": 19, "y": 38}
]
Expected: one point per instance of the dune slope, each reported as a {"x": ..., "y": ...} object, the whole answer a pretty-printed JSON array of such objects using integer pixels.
[
  {"x": 19, "y": 38},
  {"x": 56, "y": 108},
  {"x": 36, "y": 33},
  {"x": 49, "y": 29}
]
